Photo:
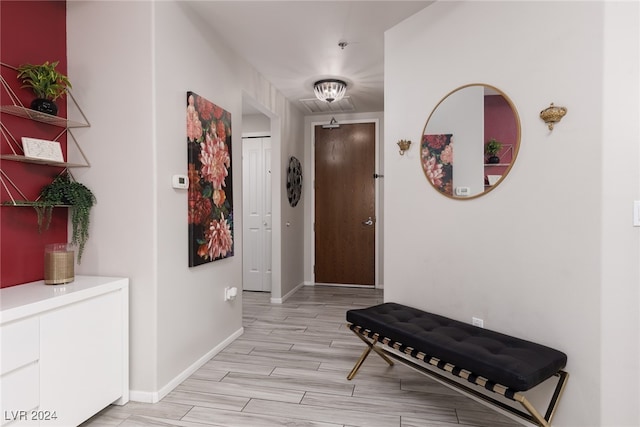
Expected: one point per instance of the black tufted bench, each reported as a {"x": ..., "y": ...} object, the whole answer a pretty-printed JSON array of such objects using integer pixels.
[{"x": 496, "y": 362}]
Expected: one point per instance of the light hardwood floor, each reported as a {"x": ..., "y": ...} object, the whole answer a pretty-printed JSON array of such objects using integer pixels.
[{"x": 289, "y": 369}]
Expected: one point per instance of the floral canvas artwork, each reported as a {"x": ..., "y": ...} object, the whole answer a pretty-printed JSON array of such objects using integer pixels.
[
  {"x": 436, "y": 153},
  {"x": 210, "y": 188}
]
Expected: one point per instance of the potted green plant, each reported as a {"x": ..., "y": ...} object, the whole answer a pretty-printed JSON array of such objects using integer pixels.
[
  {"x": 67, "y": 192},
  {"x": 47, "y": 84},
  {"x": 491, "y": 149}
]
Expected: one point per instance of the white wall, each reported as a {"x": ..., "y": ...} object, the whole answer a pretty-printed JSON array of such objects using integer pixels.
[
  {"x": 550, "y": 255},
  {"x": 112, "y": 75},
  {"x": 132, "y": 63},
  {"x": 256, "y": 124},
  {"x": 293, "y": 218},
  {"x": 193, "y": 317},
  {"x": 620, "y": 302}
]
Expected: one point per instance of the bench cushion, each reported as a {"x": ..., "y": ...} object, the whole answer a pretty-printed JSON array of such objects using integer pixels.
[{"x": 512, "y": 362}]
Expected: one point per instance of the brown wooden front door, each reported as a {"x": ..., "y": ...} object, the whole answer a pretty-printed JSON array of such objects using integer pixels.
[{"x": 345, "y": 204}]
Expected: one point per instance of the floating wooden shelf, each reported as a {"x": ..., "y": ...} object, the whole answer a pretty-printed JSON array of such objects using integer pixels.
[
  {"x": 24, "y": 159},
  {"x": 28, "y": 113},
  {"x": 29, "y": 204}
]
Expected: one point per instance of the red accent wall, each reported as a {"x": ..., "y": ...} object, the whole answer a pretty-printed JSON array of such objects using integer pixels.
[
  {"x": 30, "y": 32},
  {"x": 499, "y": 122}
]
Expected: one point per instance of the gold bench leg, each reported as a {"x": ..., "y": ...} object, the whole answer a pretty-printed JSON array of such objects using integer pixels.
[
  {"x": 370, "y": 346},
  {"x": 534, "y": 413},
  {"x": 553, "y": 404},
  {"x": 364, "y": 355}
]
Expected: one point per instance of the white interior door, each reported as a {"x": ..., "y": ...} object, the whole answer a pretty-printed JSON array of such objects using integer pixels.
[{"x": 256, "y": 194}]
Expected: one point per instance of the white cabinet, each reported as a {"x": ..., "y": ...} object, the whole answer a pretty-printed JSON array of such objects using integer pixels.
[
  {"x": 19, "y": 369},
  {"x": 64, "y": 353}
]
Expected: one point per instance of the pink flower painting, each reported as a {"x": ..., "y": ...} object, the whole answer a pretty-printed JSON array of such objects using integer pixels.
[
  {"x": 436, "y": 153},
  {"x": 210, "y": 198}
]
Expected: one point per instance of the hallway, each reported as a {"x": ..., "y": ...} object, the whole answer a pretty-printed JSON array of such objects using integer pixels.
[{"x": 289, "y": 369}]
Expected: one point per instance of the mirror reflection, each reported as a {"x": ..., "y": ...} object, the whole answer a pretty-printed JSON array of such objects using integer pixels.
[{"x": 470, "y": 141}]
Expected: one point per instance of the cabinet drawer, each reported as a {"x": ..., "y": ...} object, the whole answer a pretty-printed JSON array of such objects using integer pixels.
[
  {"x": 80, "y": 358},
  {"x": 20, "y": 343},
  {"x": 19, "y": 393}
]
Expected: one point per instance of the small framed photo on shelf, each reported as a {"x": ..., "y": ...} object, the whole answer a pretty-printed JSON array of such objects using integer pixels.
[{"x": 42, "y": 149}]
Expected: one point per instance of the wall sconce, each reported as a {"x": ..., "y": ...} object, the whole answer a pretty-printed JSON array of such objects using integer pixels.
[
  {"x": 552, "y": 115},
  {"x": 404, "y": 145}
]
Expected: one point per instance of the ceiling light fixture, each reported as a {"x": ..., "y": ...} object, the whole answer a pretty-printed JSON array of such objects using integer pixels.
[{"x": 329, "y": 90}]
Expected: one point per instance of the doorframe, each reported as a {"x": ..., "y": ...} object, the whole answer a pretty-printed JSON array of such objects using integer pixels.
[
  {"x": 276, "y": 177},
  {"x": 248, "y": 135},
  {"x": 310, "y": 190}
]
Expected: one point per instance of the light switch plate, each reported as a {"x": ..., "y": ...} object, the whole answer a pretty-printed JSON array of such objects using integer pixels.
[{"x": 636, "y": 213}]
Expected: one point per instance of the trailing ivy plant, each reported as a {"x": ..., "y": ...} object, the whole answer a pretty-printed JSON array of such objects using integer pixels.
[{"x": 65, "y": 191}]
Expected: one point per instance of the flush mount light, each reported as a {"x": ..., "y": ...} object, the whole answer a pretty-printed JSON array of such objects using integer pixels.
[{"x": 329, "y": 90}]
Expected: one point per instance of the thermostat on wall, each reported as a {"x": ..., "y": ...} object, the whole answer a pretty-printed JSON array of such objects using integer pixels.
[
  {"x": 180, "y": 181},
  {"x": 463, "y": 191}
]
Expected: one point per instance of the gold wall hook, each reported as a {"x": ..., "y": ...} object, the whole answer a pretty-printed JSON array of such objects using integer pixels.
[
  {"x": 404, "y": 145},
  {"x": 552, "y": 115}
]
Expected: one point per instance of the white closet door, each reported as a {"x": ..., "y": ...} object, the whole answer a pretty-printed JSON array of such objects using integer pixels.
[{"x": 256, "y": 174}]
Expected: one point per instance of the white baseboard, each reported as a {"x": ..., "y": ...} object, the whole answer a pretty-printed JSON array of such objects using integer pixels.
[
  {"x": 285, "y": 297},
  {"x": 377, "y": 285},
  {"x": 344, "y": 285},
  {"x": 143, "y": 396},
  {"x": 156, "y": 396}
]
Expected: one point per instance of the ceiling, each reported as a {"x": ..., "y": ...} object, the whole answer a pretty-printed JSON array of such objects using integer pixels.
[{"x": 295, "y": 43}]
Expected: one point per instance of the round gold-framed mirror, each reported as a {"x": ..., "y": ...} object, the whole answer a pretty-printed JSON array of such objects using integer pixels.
[{"x": 470, "y": 141}]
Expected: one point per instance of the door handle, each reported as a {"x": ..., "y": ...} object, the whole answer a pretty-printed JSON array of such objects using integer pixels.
[{"x": 368, "y": 222}]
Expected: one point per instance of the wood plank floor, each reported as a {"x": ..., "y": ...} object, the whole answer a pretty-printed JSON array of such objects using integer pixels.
[{"x": 289, "y": 369}]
